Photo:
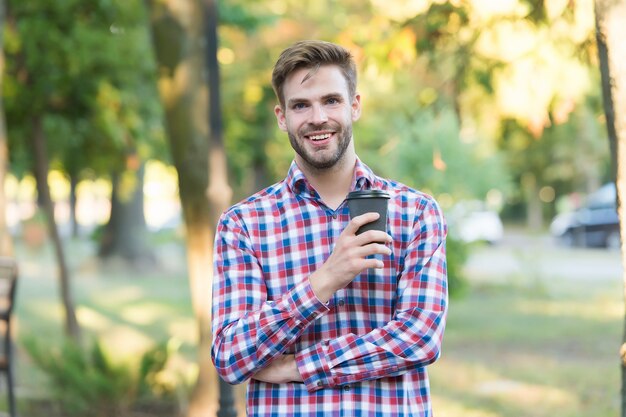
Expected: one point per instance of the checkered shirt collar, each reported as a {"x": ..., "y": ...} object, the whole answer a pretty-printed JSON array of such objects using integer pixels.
[{"x": 363, "y": 179}]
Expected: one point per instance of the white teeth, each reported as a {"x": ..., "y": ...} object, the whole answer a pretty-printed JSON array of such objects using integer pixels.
[{"x": 320, "y": 137}]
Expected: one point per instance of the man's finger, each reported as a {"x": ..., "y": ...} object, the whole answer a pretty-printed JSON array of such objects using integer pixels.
[
  {"x": 359, "y": 221},
  {"x": 374, "y": 249},
  {"x": 376, "y": 236},
  {"x": 373, "y": 263}
]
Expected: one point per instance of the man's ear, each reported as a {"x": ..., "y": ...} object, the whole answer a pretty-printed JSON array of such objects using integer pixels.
[
  {"x": 356, "y": 107},
  {"x": 280, "y": 117}
]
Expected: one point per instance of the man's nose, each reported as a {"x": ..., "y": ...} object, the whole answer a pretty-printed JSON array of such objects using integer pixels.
[{"x": 319, "y": 114}]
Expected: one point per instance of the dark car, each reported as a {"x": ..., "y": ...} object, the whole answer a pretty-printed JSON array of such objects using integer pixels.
[{"x": 596, "y": 224}]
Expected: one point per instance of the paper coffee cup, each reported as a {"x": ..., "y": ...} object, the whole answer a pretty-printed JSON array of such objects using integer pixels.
[{"x": 366, "y": 201}]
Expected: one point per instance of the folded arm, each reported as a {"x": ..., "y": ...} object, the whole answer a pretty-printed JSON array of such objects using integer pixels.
[
  {"x": 250, "y": 331},
  {"x": 411, "y": 339}
]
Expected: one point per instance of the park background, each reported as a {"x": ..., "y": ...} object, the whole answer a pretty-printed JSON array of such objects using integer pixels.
[{"x": 137, "y": 122}]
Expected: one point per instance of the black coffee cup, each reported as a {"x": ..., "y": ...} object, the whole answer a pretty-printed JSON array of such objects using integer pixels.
[{"x": 366, "y": 201}]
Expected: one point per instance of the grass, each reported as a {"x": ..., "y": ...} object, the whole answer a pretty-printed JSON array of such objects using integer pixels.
[
  {"x": 533, "y": 345},
  {"x": 526, "y": 342},
  {"x": 129, "y": 312}
]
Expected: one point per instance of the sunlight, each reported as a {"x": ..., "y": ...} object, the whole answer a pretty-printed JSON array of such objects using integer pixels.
[
  {"x": 162, "y": 205},
  {"x": 400, "y": 9},
  {"x": 488, "y": 9},
  {"x": 278, "y": 7},
  {"x": 604, "y": 311},
  {"x": 125, "y": 341},
  {"x": 473, "y": 380},
  {"x": 225, "y": 56},
  {"x": 508, "y": 41},
  {"x": 122, "y": 295},
  {"x": 525, "y": 395},
  {"x": 92, "y": 319},
  {"x": 186, "y": 330},
  {"x": 143, "y": 314},
  {"x": 49, "y": 311},
  {"x": 447, "y": 407},
  {"x": 93, "y": 205}
]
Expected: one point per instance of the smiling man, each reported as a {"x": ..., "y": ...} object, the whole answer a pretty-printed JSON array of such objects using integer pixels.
[{"x": 318, "y": 319}]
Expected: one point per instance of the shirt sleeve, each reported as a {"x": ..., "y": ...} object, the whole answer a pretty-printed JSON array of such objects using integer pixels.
[
  {"x": 248, "y": 329},
  {"x": 414, "y": 335}
]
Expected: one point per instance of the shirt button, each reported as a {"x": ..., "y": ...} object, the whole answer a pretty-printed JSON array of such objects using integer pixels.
[
  {"x": 335, "y": 215},
  {"x": 346, "y": 387},
  {"x": 341, "y": 303},
  {"x": 319, "y": 383}
]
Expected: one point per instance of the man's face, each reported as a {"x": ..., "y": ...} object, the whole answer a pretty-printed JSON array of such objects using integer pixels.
[{"x": 318, "y": 115}]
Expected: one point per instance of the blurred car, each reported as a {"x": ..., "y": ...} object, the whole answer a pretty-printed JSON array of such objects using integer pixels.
[
  {"x": 472, "y": 221},
  {"x": 596, "y": 224}
]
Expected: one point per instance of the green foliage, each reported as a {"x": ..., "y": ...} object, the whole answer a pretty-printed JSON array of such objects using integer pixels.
[
  {"x": 151, "y": 365},
  {"x": 423, "y": 149},
  {"x": 456, "y": 255},
  {"x": 246, "y": 15},
  {"x": 86, "y": 70},
  {"x": 438, "y": 25},
  {"x": 570, "y": 157},
  {"x": 88, "y": 383}
]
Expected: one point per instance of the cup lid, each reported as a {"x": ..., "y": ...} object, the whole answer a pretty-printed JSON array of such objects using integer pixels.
[{"x": 367, "y": 194}]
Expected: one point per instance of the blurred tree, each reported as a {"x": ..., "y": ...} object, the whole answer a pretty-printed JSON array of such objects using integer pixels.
[
  {"x": 74, "y": 104},
  {"x": 23, "y": 78},
  {"x": 611, "y": 32},
  {"x": 219, "y": 195},
  {"x": 248, "y": 98},
  {"x": 178, "y": 31},
  {"x": 41, "y": 168},
  {"x": 125, "y": 234},
  {"x": 6, "y": 244},
  {"x": 98, "y": 112},
  {"x": 483, "y": 54}
]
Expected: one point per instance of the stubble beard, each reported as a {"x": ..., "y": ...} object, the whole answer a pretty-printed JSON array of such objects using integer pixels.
[{"x": 323, "y": 162}]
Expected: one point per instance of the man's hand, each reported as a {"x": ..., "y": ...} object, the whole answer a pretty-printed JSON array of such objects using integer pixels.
[
  {"x": 279, "y": 371},
  {"x": 349, "y": 258}
]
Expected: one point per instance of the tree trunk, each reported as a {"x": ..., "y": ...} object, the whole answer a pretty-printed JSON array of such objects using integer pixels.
[
  {"x": 41, "y": 176},
  {"x": 73, "y": 203},
  {"x": 125, "y": 234},
  {"x": 177, "y": 30},
  {"x": 534, "y": 208},
  {"x": 6, "y": 244},
  {"x": 611, "y": 32},
  {"x": 218, "y": 192}
]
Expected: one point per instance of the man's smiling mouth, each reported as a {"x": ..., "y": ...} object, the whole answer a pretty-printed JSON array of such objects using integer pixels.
[{"x": 323, "y": 136}]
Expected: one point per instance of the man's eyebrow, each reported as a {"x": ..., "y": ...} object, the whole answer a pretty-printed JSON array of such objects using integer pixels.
[
  {"x": 295, "y": 100},
  {"x": 332, "y": 95}
]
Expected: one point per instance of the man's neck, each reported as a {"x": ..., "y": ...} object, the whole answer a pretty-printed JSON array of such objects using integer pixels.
[{"x": 332, "y": 184}]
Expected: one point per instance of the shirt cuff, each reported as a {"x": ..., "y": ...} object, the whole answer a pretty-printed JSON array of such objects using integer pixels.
[
  {"x": 304, "y": 305},
  {"x": 314, "y": 368}
]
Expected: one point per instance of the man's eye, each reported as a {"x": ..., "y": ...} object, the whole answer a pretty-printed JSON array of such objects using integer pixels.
[
  {"x": 332, "y": 101},
  {"x": 299, "y": 106}
]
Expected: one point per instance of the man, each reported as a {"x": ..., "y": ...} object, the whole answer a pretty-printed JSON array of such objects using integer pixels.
[{"x": 319, "y": 319}]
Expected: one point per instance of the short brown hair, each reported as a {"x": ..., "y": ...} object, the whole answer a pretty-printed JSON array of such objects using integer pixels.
[{"x": 313, "y": 54}]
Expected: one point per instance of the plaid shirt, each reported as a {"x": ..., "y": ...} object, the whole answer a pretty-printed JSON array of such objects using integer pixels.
[{"x": 364, "y": 352}]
